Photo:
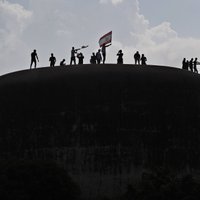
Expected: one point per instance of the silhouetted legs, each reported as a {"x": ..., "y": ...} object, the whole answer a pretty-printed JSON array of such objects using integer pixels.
[
  {"x": 73, "y": 56},
  {"x": 73, "y": 59},
  {"x": 35, "y": 64},
  {"x": 34, "y": 57},
  {"x": 195, "y": 65},
  {"x": 191, "y": 65},
  {"x": 52, "y": 60},
  {"x": 137, "y": 58},
  {"x": 104, "y": 57},
  {"x": 103, "y": 50},
  {"x": 184, "y": 64},
  {"x": 98, "y": 56},
  {"x": 137, "y": 61},
  {"x": 93, "y": 58}
]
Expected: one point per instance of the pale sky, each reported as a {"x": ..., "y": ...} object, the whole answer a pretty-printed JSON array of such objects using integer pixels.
[{"x": 166, "y": 31}]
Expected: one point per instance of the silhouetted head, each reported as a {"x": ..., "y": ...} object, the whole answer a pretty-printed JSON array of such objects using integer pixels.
[
  {"x": 73, "y": 48},
  {"x": 120, "y": 51},
  {"x": 51, "y": 54},
  {"x": 34, "y": 50}
]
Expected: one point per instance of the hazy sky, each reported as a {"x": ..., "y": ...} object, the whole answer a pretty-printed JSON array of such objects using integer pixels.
[{"x": 164, "y": 30}]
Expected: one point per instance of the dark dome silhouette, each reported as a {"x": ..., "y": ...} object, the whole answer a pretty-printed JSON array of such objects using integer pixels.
[{"x": 105, "y": 124}]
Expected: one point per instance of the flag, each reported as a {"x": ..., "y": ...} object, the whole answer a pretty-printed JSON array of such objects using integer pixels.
[{"x": 105, "y": 39}]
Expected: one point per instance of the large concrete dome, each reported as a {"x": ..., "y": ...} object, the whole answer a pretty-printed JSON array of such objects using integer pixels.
[{"x": 105, "y": 124}]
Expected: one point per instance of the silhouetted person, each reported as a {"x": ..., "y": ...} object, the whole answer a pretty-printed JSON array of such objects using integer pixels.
[
  {"x": 62, "y": 63},
  {"x": 73, "y": 56},
  {"x": 195, "y": 65},
  {"x": 143, "y": 60},
  {"x": 52, "y": 60},
  {"x": 184, "y": 64},
  {"x": 187, "y": 64},
  {"x": 120, "y": 57},
  {"x": 103, "y": 50},
  {"x": 98, "y": 57},
  {"x": 34, "y": 58},
  {"x": 80, "y": 58},
  {"x": 93, "y": 58},
  {"x": 137, "y": 58},
  {"x": 191, "y": 65}
]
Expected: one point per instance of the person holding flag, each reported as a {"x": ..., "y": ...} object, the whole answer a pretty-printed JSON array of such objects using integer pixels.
[
  {"x": 103, "y": 50},
  {"x": 104, "y": 42}
]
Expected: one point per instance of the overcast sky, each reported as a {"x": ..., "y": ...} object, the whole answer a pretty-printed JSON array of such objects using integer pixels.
[{"x": 164, "y": 30}]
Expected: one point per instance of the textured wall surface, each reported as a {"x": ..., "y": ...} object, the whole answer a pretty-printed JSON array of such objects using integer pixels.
[{"x": 105, "y": 124}]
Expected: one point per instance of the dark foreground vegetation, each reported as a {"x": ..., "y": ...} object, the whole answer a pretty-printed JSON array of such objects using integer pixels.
[{"x": 39, "y": 180}]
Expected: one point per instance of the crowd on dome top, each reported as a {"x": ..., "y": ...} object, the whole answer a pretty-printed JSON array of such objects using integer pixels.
[
  {"x": 100, "y": 57},
  {"x": 96, "y": 58}
]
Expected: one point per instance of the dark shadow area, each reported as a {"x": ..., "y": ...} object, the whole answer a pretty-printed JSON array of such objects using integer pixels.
[
  {"x": 164, "y": 185},
  {"x": 106, "y": 125},
  {"x": 35, "y": 180}
]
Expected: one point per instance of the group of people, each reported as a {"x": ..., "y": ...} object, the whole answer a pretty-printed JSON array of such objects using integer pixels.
[
  {"x": 96, "y": 58},
  {"x": 100, "y": 56},
  {"x": 138, "y": 58},
  {"x": 74, "y": 54},
  {"x": 190, "y": 65}
]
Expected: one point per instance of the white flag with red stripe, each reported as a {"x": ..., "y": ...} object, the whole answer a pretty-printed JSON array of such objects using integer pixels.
[{"x": 105, "y": 39}]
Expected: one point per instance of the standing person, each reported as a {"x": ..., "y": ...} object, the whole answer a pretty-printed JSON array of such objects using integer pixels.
[
  {"x": 184, "y": 64},
  {"x": 191, "y": 65},
  {"x": 137, "y": 58},
  {"x": 195, "y": 65},
  {"x": 98, "y": 57},
  {"x": 93, "y": 58},
  {"x": 73, "y": 56},
  {"x": 187, "y": 64},
  {"x": 80, "y": 58},
  {"x": 103, "y": 50},
  {"x": 52, "y": 60},
  {"x": 143, "y": 59},
  {"x": 34, "y": 58},
  {"x": 120, "y": 57}
]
